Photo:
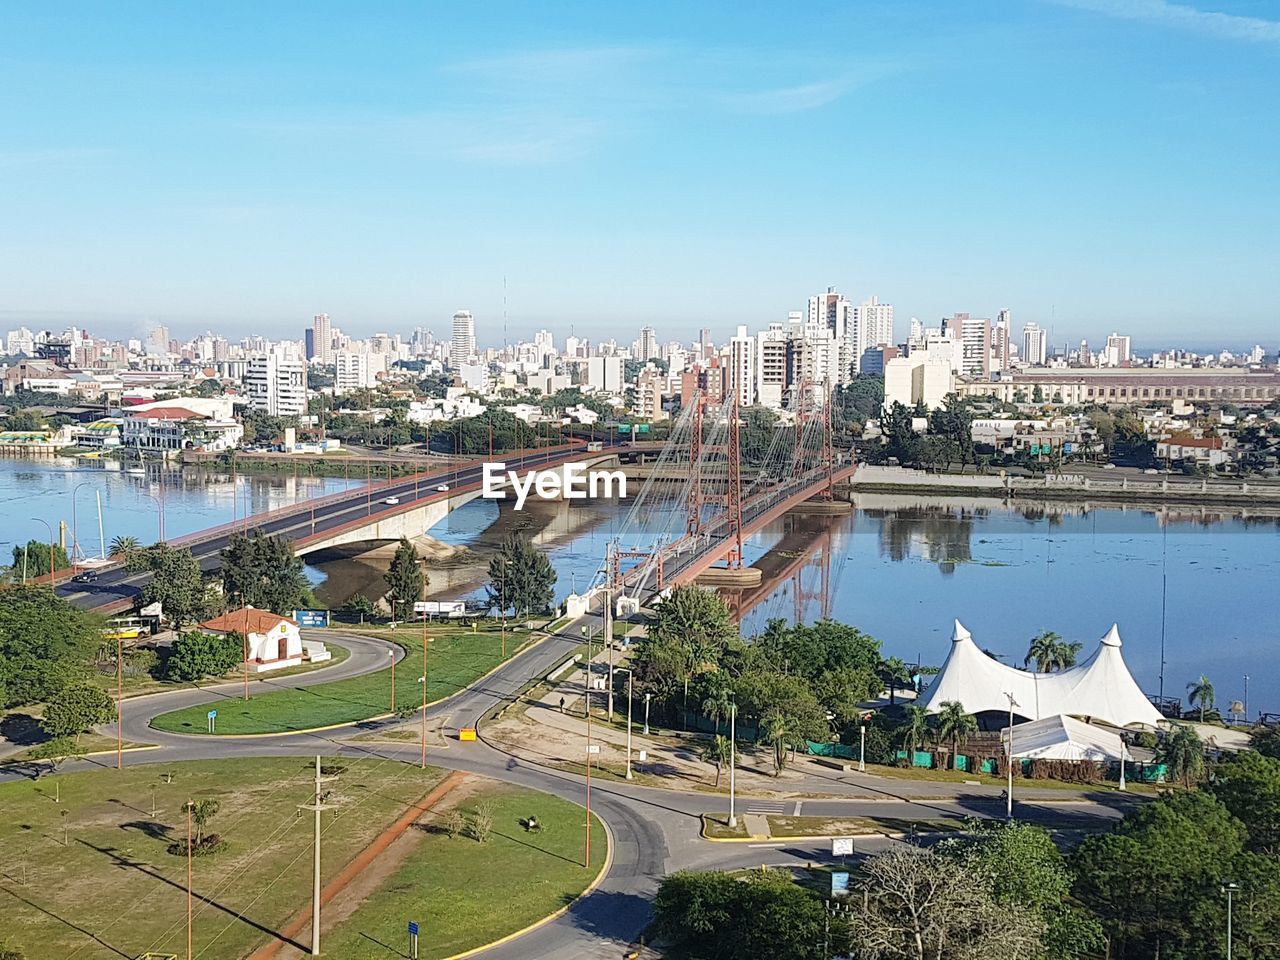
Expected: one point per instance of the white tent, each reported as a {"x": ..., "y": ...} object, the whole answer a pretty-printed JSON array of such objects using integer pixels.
[
  {"x": 1062, "y": 738},
  {"x": 1100, "y": 687}
]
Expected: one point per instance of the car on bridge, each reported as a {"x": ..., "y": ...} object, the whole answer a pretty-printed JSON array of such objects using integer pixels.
[
  {"x": 392, "y": 500},
  {"x": 89, "y": 576},
  {"x": 442, "y": 487}
]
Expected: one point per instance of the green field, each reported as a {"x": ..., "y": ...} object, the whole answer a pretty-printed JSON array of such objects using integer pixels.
[
  {"x": 457, "y": 657},
  {"x": 464, "y": 894},
  {"x": 112, "y": 890},
  {"x": 109, "y": 888}
]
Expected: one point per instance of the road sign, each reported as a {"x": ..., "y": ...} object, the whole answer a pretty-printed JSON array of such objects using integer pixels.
[
  {"x": 842, "y": 847},
  {"x": 413, "y": 927},
  {"x": 840, "y": 884},
  {"x": 212, "y": 717},
  {"x": 624, "y": 428},
  {"x": 212, "y": 714},
  {"x": 413, "y": 940},
  {"x": 312, "y": 618},
  {"x": 593, "y": 748},
  {"x": 467, "y": 733}
]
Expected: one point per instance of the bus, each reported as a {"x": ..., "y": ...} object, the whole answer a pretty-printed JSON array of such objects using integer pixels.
[{"x": 125, "y": 628}]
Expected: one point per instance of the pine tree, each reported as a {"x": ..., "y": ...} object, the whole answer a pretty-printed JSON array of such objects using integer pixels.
[{"x": 405, "y": 577}]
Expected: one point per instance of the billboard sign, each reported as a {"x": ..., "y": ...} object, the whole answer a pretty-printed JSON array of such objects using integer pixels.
[
  {"x": 311, "y": 618},
  {"x": 442, "y": 608}
]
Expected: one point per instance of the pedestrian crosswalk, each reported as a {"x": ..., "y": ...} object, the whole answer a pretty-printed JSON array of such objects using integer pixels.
[{"x": 768, "y": 806}]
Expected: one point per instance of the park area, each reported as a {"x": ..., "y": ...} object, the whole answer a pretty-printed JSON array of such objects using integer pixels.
[
  {"x": 458, "y": 655},
  {"x": 88, "y": 870}
]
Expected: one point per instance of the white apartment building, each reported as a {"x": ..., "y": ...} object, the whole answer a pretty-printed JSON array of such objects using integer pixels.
[
  {"x": 604, "y": 374},
  {"x": 353, "y": 370},
  {"x": 742, "y": 367},
  {"x": 463, "y": 346},
  {"x": 647, "y": 345},
  {"x": 276, "y": 385},
  {"x": 974, "y": 334},
  {"x": 1117, "y": 353},
  {"x": 918, "y": 377},
  {"x": 872, "y": 327},
  {"x": 321, "y": 343},
  {"x": 1035, "y": 345}
]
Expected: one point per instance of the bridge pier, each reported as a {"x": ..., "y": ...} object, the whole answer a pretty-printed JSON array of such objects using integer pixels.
[
  {"x": 725, "y": 577},
  {"x": 823, "y": 508}
]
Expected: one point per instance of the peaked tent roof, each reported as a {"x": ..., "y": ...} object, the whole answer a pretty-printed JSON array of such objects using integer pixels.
[
  {"x": 1100, "y": 687},
  {"x": 1063, "y": 738}
]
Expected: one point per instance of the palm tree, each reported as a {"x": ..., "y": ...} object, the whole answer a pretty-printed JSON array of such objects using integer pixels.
[
  {"x": 1183, "y": 753},
  {"x": 893, "y": 672},
  {"x": 1068, "y": 653},
  {"x": 1201, "y": 692},
  {"x": 718, "y": 751},
  {"x": 1044, "y": 651},
  {"x": 955, "y": 724},
  {"x": 124, "y": 547},
  {"x": 776, "y": 730},
  {"x": 914, "y": 728},
  {"x": 717, "y": 704}
]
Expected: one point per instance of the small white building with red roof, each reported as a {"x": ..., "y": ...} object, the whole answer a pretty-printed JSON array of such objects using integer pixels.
[{"x": 274, "y": 641}]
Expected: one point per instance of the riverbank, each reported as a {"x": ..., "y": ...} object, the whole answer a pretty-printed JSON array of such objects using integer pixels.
[{"x": 1244, "y": 496}]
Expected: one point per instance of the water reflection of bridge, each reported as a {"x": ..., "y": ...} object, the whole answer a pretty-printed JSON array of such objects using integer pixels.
[{"x": 801, "y": 568}]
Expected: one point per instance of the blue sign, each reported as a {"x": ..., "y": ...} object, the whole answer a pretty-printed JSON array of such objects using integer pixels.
[
  {"x": 413, "y": 928},
  {"x": 1068, "y": 447},
  {"x": 839, "y": 884},
  {"x": 212, "y": 714},
  {"x": 312, "y": 618}
]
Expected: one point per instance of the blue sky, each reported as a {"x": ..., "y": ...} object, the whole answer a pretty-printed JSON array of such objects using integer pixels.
[{"x": 1096, "y": 164}]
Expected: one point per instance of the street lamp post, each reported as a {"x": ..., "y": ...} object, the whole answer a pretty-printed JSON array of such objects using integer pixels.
[
  {"x": 630, "y": 676},
  {"x": 1008, "y": 809},
  {"x": 862, "y": 747},
  {"x": 646, "y": 713},
  {"x": 1229, "y": 888},
  {"x": 392, "y": 655}
]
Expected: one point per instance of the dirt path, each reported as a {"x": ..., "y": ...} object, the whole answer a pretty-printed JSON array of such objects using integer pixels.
[{"x": 363, "y": 874}]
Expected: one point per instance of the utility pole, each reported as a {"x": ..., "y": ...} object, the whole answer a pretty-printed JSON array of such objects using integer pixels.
[
  {"x": 316, "y": 806},
  {"x": 1008, "y": 811},
  {"x": 425, "y": 640},
  {"x": 587, "y": 860},
  {"x": 119, "y": 702},
  {"x": 733, "y": 758},
  {"x": 608, "y": 620},
  {"x": 190, "y": 804}
]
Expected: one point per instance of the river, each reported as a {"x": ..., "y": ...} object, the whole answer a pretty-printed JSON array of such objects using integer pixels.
[{"x": 899, "y": 567}]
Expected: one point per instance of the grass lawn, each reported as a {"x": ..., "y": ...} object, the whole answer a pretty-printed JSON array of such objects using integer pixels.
[
  {"x": 959, "y": 776},
  {"x": 780, "y": 826},
  {"x": 139, "y": 685},
  {"x": 464, "y": 894},
  {"x": 457, "y": 658},
  {"x": 89, "y": 743},
  {"x": 112, "y": 890}
]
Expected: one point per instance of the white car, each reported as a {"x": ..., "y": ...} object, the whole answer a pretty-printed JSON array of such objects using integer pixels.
[
  {"x": 442, "y": 487},
  {"x": 392, "y": 500}
]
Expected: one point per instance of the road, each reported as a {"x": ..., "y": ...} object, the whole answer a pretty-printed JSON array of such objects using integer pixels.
[
  {"x": 654, "y": 831},
  {"x": 118, "y": 587}
]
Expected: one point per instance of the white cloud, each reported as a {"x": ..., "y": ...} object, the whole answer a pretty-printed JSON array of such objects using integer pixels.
[{"x": 1227, "y": 26}]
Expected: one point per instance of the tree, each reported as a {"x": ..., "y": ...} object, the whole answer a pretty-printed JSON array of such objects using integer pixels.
[
  {"x": 780, "y": 735},
  {"x": 690, "y": 635},
  {"x": 262, "y": 571},
  {"x": 894, "y": 673},
  {"x": 24, "y": 421},
  {"x": 1024, "y": 867},
  {"x": 176, "y": 582},
  {"x": 1150, "y": 880},
  {"x": 1183, "y": 753},
  {"x": 521, "y": 577},
  {"x": 196, "y": 655},
  {"x": 202, "y": 811},
  {"x": 359, "y": 605},
  {"x": 124, "y": 547},
  {"x": 405, "y": 578},
  {"x": 1048, "y": 651},
  {"x": 76, "y": 708},
  {"x": 1249, "y": 787},
  {"x": 914, "y": 729},
  {"x": 45, "y": 643},
  {"x": 955, "y": 724},
  {"x": 32, "y": 560},
  {"x": 919, "y": 904},
  {"x": 1201, "y": 691},
  {"x": 718, "y": 916},
  {"x": 718, "y": 752}
]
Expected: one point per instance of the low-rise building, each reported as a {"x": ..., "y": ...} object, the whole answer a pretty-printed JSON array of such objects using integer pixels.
[
  {"x": 1211, "y": 449},
  {"x": 273, "y": 641},
  {"x": 179, "y": 428}
]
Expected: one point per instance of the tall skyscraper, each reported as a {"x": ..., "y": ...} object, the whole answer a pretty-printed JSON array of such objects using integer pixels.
[
  {"x": 463, "y": 347},
  {"x": 320, "y": 342},
  {"x": 872, "y": 327},
  {"x": 1117, "y": 353},
  {"x": 1002, "y": 339},
  {"x": 648, "y": 344},
  {"x": 1035, "y": 345}
]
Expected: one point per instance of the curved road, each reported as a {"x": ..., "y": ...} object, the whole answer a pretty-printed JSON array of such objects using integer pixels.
[{"x": 654, "y": 831}]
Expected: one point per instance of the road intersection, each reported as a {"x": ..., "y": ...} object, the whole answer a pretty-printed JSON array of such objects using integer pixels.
[{"x": 653, "y": 830}]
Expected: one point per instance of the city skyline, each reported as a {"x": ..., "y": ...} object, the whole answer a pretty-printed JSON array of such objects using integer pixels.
[{"x": 1062, "y": 159}]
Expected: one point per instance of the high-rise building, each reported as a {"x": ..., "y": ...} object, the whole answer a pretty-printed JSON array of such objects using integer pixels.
[
  {"x": 320, "y": 339},
  {"x": 974, "y": 334},
  {"x": 1002, "y": 340},
  {"x": 873, "y": 326},
  {"x": 742, "y": 367},
  {"x": 1035, "y": 345},
  {"x": 647, "y": 345},
  {"x": 356, "y": 369},
  {"x": 1117, "y": 352},
  {"x": 276, "y": 385},
  {"x": 158, "y": 340},
  {"x": 463, "y": 347}
]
